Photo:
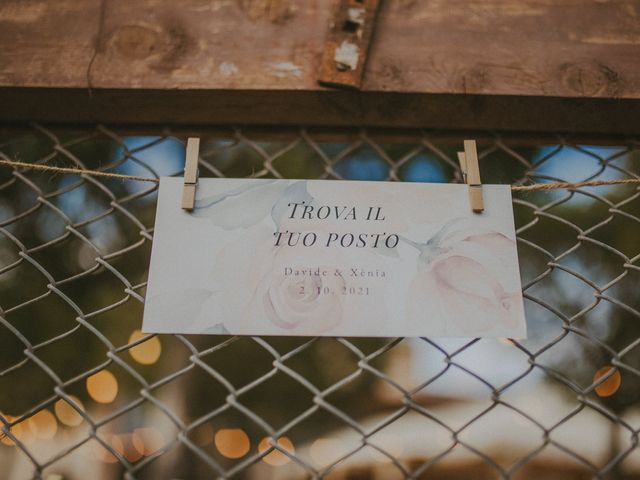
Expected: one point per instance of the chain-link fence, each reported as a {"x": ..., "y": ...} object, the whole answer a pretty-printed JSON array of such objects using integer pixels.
[{"x": 83, "y": 394}]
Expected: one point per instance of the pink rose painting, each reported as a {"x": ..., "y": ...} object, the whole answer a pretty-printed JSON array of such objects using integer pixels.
[
  {"x": 463, "y": 280},
  {"x": 282, "y": 286},
  {"x": 298, "y": 302}
]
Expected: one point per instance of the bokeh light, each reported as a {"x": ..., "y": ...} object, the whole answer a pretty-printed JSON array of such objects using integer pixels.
[
  {"x": 276, "y": 457},
  {"x": 364, "y": 164},
  {"x": 146, "y": 353},
  {"x": 15, "y": 430},
  {"x": 116, "y": 443},
  {"x": 610, "y": 385},
  {"x": 103, "y": 454},
  {"x": 100, "y": 453},
  {"x": 131, "y": 453},
  {"x": 66, "y": 413},
  {"x": 232, "y": 442},
  {"x": 25, "y": 431},
  {"x": 147, "y": 440},
  {"x": 102, "y": 387},
  {"x": 424, "y": 167},
  {"x": 45, "y": 424}
]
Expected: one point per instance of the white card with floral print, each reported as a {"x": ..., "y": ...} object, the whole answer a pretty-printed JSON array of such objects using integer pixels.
[{"x": 334, "y": 258}]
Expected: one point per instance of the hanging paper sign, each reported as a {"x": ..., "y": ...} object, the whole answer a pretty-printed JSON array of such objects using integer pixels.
[{"x": 334, "y": 258}]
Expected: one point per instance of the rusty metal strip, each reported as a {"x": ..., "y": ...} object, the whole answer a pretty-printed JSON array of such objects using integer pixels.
[{"x": 347, "y": 45}]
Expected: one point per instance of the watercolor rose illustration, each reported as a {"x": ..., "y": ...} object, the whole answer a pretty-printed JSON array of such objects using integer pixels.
[
  {"x": 463, "y": 281},
  {"x": 283, "y": 290},
  {"x": 309, "y": 301}
]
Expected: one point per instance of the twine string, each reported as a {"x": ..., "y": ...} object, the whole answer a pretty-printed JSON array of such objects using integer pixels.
[
  {"x": 93, "y": 173},
  {"x": 120, "y": 176},
  {"x": 573, "y": 185}
]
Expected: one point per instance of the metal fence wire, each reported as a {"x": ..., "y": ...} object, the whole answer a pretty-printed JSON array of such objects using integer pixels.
[{"x": 84, "y": 394}]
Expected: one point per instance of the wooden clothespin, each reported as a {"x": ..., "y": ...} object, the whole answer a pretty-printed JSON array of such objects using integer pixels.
[
  {"x": 190, "y": 174},
  {"x": 471, "y": 174}
]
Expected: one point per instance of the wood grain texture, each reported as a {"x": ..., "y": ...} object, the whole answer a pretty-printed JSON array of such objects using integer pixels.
[{"x": 572, "y": 65}]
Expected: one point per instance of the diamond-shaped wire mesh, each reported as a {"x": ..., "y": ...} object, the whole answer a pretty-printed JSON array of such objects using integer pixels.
[{"x": 83, "y": 394}]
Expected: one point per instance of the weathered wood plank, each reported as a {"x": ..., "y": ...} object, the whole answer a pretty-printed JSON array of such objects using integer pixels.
[
  {"x": 527, "y": 64},
  {"x": 337, "y": 108}
]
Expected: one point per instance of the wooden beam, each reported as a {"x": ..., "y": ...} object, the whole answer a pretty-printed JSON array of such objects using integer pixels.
[
  {"x": 329, "y": 108},
  {"x": 507, "y": 64}
]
